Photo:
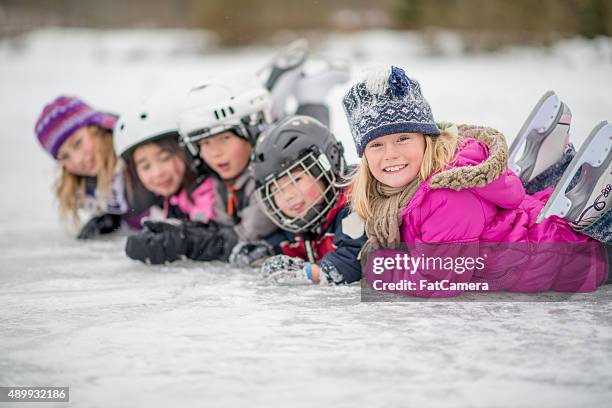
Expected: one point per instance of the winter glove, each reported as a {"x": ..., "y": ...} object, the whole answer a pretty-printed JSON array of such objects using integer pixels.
[
  {"x": 156, "y": 247},
  {"x": 159, "y": 242},
  {"x": 169, "y": 240},
  {"x": 103, "y": 224},
  {"x": 209, "y": 241},
  {"x": 248, "y": 253},
  {"x": 285, "y": 270}
]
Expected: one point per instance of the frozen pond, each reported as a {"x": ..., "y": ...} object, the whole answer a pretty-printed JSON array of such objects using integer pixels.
[{"x": 122, "y": 334}]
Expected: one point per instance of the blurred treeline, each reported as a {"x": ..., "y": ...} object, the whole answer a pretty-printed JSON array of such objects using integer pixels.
[
  {"x": 484, "y": 23},
  {"x": 493, "y": 23}
]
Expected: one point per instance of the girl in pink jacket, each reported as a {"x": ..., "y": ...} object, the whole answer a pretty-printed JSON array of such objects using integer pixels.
[{"x": 444, "y": 214}]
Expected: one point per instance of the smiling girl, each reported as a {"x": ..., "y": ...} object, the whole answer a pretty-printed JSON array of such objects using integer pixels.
[
  {"x": 80, "y": 138},
  {"x": 419, "y": 185},
  {"x": 161, "y": 166}
]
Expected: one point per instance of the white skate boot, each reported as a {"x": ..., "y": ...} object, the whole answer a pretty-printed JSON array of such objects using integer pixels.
[
  {"x": 318, "y": 77},
  {"x": 592, "y": 195},
  {"x": 542, "y": 138},
  {"x": 281, "y": 74}
]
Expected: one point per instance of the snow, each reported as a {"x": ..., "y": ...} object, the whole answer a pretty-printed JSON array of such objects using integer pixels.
[{"x": 120, "y": 333}]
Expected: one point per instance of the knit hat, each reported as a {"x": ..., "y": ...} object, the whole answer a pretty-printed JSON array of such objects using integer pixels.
[
  {"x": 387, "y": 102},
  {"x": 60, "y": 118}
]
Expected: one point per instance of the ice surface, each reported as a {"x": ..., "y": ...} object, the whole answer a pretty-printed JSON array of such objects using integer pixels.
[{"x": 122, "y": 334}]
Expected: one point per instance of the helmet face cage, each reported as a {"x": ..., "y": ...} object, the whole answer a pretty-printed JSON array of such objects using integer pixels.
[{"x": 318, "y": 167}]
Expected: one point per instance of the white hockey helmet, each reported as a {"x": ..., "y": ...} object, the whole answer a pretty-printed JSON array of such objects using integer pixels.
[
  {"x": 235, "y": 101},
  {"x": 152, "y": 119}
]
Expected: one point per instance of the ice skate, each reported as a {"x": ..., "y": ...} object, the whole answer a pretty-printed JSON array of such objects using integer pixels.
[
  {"x": 592, "y": 195},
  {"x": 281, "y": 75},
  {"x": 290, "y": 58},
  {"x": 542, "y": 138},
  {"x": 318, "y": 77}
]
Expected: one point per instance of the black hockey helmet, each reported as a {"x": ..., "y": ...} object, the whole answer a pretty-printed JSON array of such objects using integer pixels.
[{"x": 297, "y": 144}]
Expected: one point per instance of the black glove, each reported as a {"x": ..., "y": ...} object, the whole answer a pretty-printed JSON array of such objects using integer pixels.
[
  {"x": 248, "y": 253},
  {"x": 167, "y": 225},
  {"x": 103, "y": 224},
  {"x": 168, "y": 241},
  {"x": 209, "y": 241},
  {"x": 156, "y": 247}
]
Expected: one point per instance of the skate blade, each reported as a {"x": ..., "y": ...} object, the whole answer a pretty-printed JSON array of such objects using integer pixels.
[
  {"x": 545, "y": 113},
  {"x": 543, "y": 149},
  {"x": 594, "y": 151},
  {"x": 288, "y": 57},
  {"x": 293, "y": 54}
]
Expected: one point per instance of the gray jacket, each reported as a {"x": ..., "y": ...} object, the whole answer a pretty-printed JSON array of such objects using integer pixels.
[{"x": 249, "y": 221}]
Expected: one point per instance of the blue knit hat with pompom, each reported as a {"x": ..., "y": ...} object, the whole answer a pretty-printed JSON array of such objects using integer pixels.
[{"x": 384, "y": 103}]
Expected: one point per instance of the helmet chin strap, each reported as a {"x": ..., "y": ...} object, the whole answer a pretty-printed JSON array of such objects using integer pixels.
[
  {"x": 191, "y": 148},
  {"x": 318, "y": 209},
  {"x": 252, "y": 127}
]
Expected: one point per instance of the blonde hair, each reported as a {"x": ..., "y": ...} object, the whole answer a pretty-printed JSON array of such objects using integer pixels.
[
  {"x": 439, "y": 152},
  {"x": 70, "y": 188}
]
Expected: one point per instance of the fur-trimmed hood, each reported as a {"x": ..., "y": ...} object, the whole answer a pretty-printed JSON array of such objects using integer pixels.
[
  {"x": 480, "y": 165},
  {"x": 466, "y": 171}
]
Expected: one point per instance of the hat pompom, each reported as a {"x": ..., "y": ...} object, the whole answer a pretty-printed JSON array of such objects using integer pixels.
[
  {"x": 398, "y": 82},
  {"x": 376, "y": 80}
]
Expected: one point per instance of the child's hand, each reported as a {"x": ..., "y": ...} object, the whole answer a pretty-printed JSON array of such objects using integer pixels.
[
  {"x": 209, "y": 241},
  {"x": 155, "y": 247},
  {"x": 102, "y": 224},
  {"x": 171, "y": 239},
  {"x": 285, "y": 270},
  {"x": 248, "y": 253}
]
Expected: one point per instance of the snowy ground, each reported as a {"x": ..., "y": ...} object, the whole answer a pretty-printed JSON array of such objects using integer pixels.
[{"x": 122, "y": 334}]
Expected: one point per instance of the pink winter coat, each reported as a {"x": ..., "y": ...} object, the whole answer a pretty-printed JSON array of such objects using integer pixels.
[
  {"x": 200, "y": 206},
  {"x": 497, "y": 223}
]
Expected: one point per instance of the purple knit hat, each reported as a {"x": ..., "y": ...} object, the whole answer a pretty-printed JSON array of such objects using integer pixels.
[{"x": 60, "y": 118}]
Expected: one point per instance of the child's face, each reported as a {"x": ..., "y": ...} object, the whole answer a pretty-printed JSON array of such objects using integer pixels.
[
  {"x": 395, "y": 160},
  {"x": 295, "y": 198},
  {"x": 227, "y": 154},
  {"x": 77, "y": 154},
  {"x": 160, "y": 171}
]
